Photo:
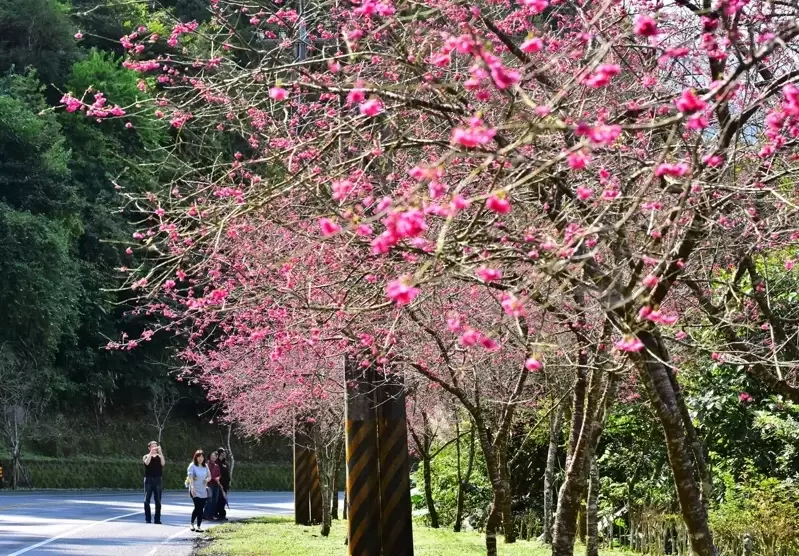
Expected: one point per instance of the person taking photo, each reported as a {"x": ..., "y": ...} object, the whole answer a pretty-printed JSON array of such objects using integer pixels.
[{"x": 153, "y": 480}]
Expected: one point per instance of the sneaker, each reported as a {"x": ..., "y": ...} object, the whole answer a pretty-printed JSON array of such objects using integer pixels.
[
  {"x": 158, "y": 522},
  {"x": 147, "y": 521},
  {"x": 200, "y": 530},
  {"x": 192, "y": 528}
]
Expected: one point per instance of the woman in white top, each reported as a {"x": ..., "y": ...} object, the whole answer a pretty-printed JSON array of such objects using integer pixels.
[{"x": 198, "y": 476}]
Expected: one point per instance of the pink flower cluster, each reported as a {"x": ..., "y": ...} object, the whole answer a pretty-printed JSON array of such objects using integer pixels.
[
  {"x": 371, "y": 8},
  {"x": 629, "y": 344},
  {"x": 601, "y": 76},
  {"x": 656, "y": 316},
  {"x": 98, "y": 109},
  {"x": 399, "y": 225},
  {"x": 401, "y": 291},
  {"x": 600, "y": 135},
  {"x": 477, "y": 134},
  {"x": 181, "y": 29},
  {"x": 472, "y": 337}
]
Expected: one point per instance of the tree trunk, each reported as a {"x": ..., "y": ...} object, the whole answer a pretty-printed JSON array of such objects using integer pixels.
[
  {"x": 327, "y": 463},
  {"x": 335, "y": 489},
  {"x": 581, "y": 521},
  {"x": 334, "y": 496},
  {"x": 324, "y": 528},
  {"x": 463, "y": 482},
  {"x": 508, "y": 527},
  {"x": 659, "y": 384},
  {"x": 573, "y": 488},
  {"x": 556, "y": 424},
  {"x": 345, "y": 505},
  {"x": 15, "y": 470},
  {"x": 592, "y": 509},
  {"x": 428, "y": 490},
  {"x": 494, "y": 521}
]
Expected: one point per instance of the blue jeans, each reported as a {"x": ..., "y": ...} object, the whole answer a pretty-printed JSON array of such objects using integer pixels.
[
  {"x": 152, "y": 488},
  {"x": 210, "y": 504}
]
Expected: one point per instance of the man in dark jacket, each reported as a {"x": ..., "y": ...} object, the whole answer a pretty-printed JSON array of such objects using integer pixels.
[
  {"x": 224, "y": 483},
  {"x": 153, "y": 471}
]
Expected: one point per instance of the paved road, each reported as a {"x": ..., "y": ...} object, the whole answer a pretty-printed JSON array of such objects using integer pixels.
[{"x": 112, "y": 523}]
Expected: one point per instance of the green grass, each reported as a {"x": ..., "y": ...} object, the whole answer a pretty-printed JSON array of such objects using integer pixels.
[{"x": 277, "y": 536}]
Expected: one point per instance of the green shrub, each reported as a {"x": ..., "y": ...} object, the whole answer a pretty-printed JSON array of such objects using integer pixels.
[
  {"x": 445, "y": 487},
  {"x": 91, "y": 473},
  {"x": 767, "y": 511}
]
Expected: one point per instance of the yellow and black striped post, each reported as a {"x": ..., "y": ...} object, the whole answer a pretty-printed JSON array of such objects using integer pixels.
[
  {"x": 395, "y": 487},
  {"x": 363, "y": 485},
  {"x": 302, "y": 478}
]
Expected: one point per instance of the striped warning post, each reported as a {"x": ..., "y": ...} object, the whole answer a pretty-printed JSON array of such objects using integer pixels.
[
  {"x": 316, "y": 489},
  {"x": 363, "y": 485},
  {"x": 395, "y": 488},
  {"x": 302, "y": 479}
]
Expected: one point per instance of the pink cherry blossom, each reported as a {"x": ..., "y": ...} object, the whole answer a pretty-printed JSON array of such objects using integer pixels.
[
  {"x": 329, "y": 227},
  {"x": 650, "y": 281},
  {"x": 400, "y": 291},
  {"x": 498, "y": 204},
  {"x": 512, "y": 306},
  {"x": 489, "y": 274},
  {"x": 371, "y": 107},
  {"x": 645, "y": 26},
  {"x": 278, "y": 93},
  {"x": 535, "y": 6},
  {"x": 533, "y": 365},
  {"x": 469, "y": 337},
  {"x": 676, "y": 170},
  {"x": 532, "y": 45},
  {"x": 629, "y": 344},
  {"x": 477, "y": 134},
  {"x": 688, "y": 102}
]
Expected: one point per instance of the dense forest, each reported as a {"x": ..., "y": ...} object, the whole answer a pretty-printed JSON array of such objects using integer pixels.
[{"x": 64, "y": 238}]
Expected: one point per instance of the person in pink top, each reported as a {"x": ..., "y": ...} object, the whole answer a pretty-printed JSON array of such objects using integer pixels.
[{"x": 213, "y": 487}]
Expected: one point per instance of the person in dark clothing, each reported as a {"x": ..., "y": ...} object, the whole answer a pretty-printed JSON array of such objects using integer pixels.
[
  {"x": 224, "y": 483},
  {"x": 153, "y": 475}
]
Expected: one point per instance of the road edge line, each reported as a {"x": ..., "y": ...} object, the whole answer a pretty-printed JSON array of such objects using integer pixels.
[{"x": 70, "y": 532}]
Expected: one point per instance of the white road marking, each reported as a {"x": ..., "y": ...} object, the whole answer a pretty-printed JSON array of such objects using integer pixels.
[
  {"x": 70, "y": 532},
  {"x": 155, "y": 550}
]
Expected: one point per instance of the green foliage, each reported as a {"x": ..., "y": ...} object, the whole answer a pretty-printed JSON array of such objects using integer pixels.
[
  {"x": 101, "y": 473},
  {"x": 34, "y": 172},
  {"x": 445, "y": 487},
  {"x": 39, "y": 282},
  {"x": 118, "y": 435},
  {"x": 767, "y": 510},
  {"x": 37, "y": 34}
]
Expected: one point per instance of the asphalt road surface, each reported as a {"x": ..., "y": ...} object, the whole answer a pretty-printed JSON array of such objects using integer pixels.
[{"x": 112, "y": 523}]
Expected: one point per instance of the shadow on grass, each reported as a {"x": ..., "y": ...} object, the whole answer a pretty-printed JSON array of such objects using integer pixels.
[{"x": 278, "y": 536}]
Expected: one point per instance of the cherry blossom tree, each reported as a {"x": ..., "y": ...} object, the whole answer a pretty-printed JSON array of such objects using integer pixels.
[{"x": 571, "y": 172}]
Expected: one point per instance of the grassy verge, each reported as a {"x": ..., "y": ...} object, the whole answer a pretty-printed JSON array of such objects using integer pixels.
[{"x": 277, "y": 536}]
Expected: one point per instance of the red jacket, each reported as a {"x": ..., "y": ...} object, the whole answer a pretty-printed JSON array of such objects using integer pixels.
[{"x": 215, "y": 473}]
